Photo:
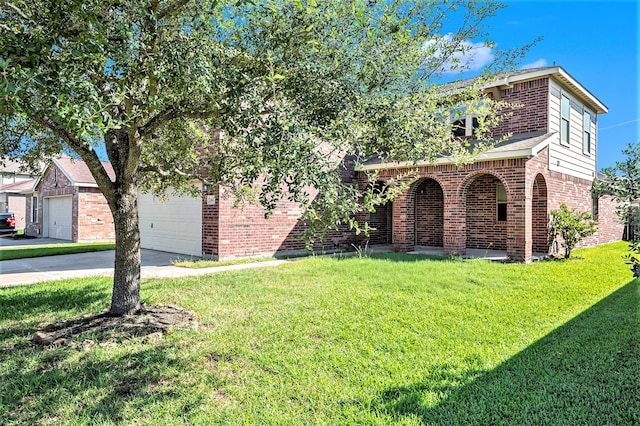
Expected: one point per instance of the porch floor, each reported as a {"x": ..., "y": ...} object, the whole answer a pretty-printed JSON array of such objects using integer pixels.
[{"x": 495, "y": 255}]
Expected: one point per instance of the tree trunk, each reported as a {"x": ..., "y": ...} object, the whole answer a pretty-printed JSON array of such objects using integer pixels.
[{"x": 126, "y": 278}]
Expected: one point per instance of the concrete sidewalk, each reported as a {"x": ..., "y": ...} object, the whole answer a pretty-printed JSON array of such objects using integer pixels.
[{"x": 155, "y": 264}]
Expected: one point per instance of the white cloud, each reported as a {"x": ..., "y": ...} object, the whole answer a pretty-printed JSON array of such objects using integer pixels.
[
  {"x": 468, "y": 56},
  {"x": 537, "y": 64}
]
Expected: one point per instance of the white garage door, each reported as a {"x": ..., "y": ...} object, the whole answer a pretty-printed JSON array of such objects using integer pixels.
[
  {"x": 59, "y": 218},
  {"x": 174, "y": 226}
]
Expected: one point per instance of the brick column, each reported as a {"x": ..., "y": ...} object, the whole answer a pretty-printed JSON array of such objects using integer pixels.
[
  {"x": 519, "y": 243},
  {"x": 403, "y": 222},
  {"x": 210, "y": 224},
  {"x": 454, "y": 239}
]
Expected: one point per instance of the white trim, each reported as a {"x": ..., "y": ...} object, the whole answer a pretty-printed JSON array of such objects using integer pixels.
[{"x": 487, "y": 156}]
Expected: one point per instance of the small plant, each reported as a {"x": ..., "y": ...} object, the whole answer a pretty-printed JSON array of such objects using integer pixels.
[
  {"x": 572, "y": 225},
  {"x": 361, "y": 251},
  {"x": 632, "y": 259}
]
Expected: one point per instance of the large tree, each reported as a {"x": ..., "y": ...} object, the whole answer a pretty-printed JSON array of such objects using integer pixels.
[
  {"x": 261, "y": 97},
  {"x": 622, "y": 182}
]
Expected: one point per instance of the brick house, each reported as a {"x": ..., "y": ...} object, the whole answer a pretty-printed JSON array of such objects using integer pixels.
[
  {"x": 66, "y": 203},
  {"x": 499, "y": 202},
  {"x": 502, "y": 200}
]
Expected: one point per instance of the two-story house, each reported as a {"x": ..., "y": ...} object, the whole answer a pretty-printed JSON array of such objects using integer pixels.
[
  {"x": 502, "y": 200},
  {"x": 14, "y": 180}
]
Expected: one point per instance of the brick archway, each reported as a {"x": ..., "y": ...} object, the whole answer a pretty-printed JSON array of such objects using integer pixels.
[
  {"x": 539, "y": 215},
  {"x": 429, "y": 213},
  {"x": 382, "y": 221},
  {"x": 486, "y": 213}
]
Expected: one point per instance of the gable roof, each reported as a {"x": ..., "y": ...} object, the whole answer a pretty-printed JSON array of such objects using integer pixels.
[
  {"x": 506, "y": 80},
  {"x": 16, "y": 167},
  {"x": 523, "y": 145},
  {"x": 77, "y": 171},
  {"x": 23, "y": 185}
]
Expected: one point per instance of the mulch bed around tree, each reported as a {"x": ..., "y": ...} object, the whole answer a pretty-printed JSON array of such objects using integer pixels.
[{"x": 150, "y": 323}]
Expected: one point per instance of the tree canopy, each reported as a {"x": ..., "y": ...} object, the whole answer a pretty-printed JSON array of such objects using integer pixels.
[{"x": 264, "y": 98}]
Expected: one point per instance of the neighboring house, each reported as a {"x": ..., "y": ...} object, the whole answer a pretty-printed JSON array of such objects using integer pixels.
[
  {"x": 503, "y": 199},
  {"x": 14, "y": 179},
  {"x": 500, "y": 202},
  {"x": 65, "y": 203}
]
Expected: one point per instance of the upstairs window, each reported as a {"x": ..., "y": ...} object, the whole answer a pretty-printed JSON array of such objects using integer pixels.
[
  {"x": 586, "y": 141},
  {"x": 460, "y": 128},
  {"x": 564, "y": 122},
  {"x": 501, "y": 201},
  {"x": 465, "y": 118}
]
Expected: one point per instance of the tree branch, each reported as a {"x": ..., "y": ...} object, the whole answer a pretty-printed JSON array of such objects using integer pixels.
[
  {"x": 174, "y": 171},
  {"x": 171, "y": 113},
  {"x": 171, "y": 9},
  {"x": 17, "y": 10},
  {"x": 89, "y": 156}
]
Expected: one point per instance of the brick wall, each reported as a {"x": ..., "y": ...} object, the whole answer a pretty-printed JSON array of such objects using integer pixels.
[
  {"x": 230, "y": 232},
  {"x": 610, "y": 227},
  {"x": 533, "y": 116},
  {"x": 32, "y": 229},
  {"x": 95, "y": 222},
  {"x": 469, "y": 206},
  {"x": 381, "y": 219},
  {"x": 246, "y": 232},
  {"x": 576, "y": 194}
]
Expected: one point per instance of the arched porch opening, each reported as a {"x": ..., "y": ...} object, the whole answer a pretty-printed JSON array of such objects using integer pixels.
[
  {"x": 429, "y": 214},
  {"x": 539, "y": 216},
  {"x": 382, "y": 221},
  {"x": 487, "y": 218}
]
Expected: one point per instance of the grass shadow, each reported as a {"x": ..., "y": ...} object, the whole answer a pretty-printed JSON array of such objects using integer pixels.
[
  {"x": 585, "y": 372},
  {"x": 19, "y": 303},
  {"x": 38, "y": 387}
]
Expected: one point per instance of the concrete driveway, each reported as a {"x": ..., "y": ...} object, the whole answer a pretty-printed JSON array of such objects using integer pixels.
[
  {"x": 6, "y": 240},
  {"x": 155, "y": 264}
]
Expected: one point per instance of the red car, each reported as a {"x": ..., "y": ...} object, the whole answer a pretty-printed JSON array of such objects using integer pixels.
[{"x": 7, "y": 223}]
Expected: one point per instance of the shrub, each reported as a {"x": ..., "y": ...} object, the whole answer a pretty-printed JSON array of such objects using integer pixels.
[{"x": 572, "y": 225}]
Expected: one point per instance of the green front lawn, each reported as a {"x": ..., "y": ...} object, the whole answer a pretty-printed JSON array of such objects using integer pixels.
[
  {"x": 390, "y": 339},
  {"x": 23, "y": 252}
]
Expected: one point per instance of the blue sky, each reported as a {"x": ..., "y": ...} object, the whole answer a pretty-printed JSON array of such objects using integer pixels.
[{"x": 594, "y": 41}]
